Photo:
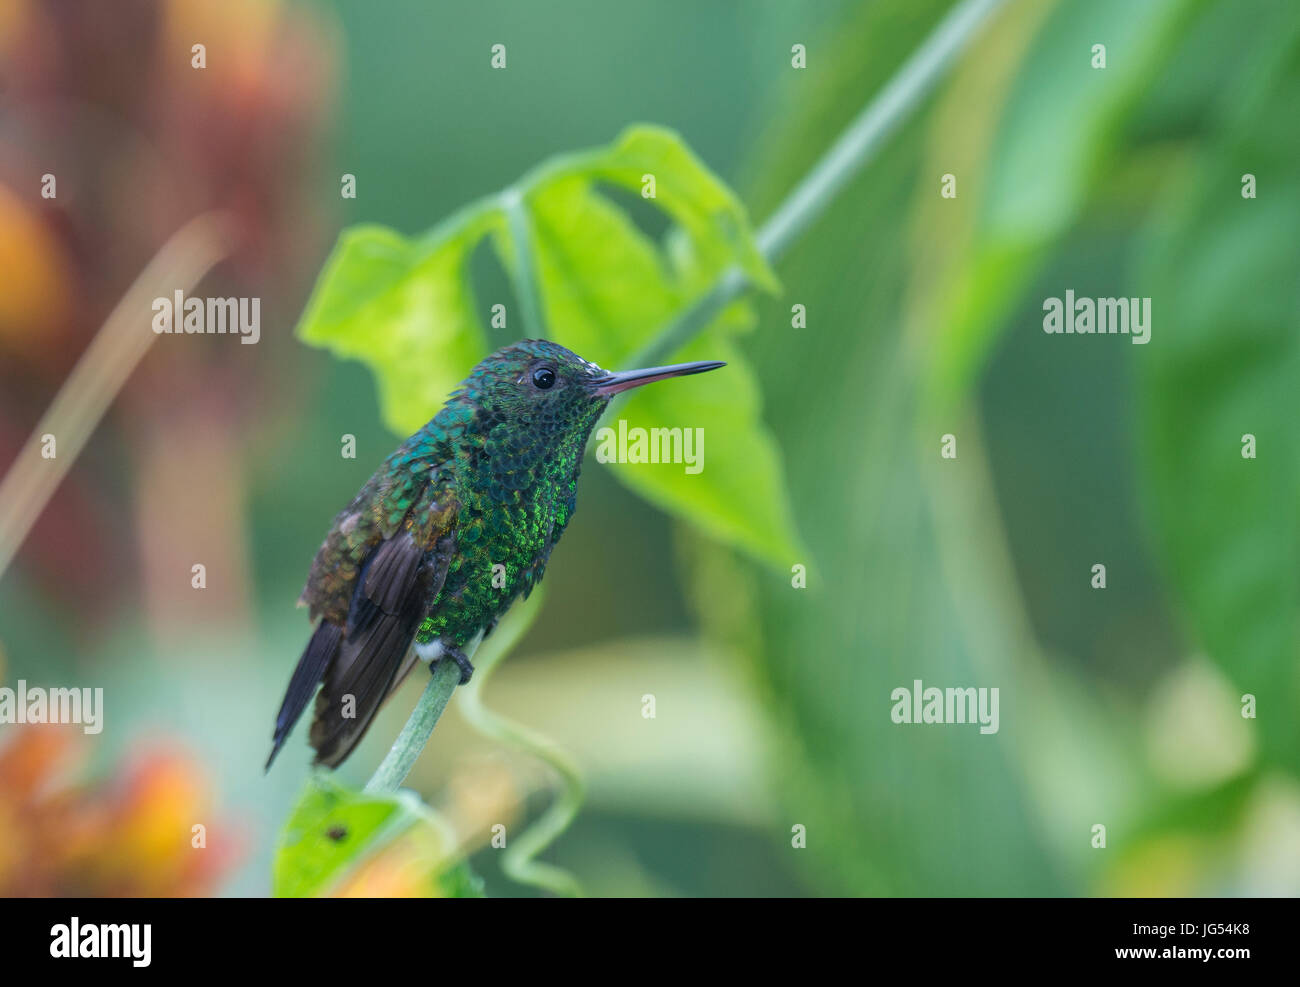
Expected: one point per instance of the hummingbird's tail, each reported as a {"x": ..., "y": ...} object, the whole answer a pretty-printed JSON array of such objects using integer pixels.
[{"x": 311, "y": 669}]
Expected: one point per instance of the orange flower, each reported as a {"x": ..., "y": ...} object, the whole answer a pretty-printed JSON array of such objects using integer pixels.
[{"x": 147, "y": 832}]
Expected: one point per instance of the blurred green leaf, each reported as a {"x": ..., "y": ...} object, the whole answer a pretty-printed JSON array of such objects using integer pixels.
[
  {"x": 406, "y": 308},
  {"x": 334, "y": 832},
  {"x": 1228, "y": 364}
]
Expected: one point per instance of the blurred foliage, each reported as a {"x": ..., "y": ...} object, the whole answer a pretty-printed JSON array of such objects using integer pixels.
[
  {"x": 1041, "y": 143},
  {"x": 944, "y": 803},
  {"x": 1056, "y": 128},
  {"x": 1217, "y": 265}
]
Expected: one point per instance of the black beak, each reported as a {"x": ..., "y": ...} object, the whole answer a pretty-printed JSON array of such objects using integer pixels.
[{"x": 613, "y": 383}]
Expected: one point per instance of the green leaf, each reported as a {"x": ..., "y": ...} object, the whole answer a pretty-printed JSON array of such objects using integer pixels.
[
  {"x": 405, "y": 308},
  {"x": 605, "y": 288},
  {"x": 335, "y": 832},
  {"x": 703, "y": 207}
]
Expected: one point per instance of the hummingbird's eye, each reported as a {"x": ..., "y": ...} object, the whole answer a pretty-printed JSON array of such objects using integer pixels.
[{"x": 543, "y": 378}]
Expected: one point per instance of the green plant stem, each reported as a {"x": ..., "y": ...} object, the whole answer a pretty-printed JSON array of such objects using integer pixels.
[
  {"x": 852, "y": 151},
  {"x": 408, "y": 746}
]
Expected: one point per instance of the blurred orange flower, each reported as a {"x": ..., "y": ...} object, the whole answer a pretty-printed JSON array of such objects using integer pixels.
[{"x": 148, "y": 831}]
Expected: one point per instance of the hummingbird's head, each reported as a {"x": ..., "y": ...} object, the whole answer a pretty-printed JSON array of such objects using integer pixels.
[
  {"x": 536, "y": 400},
  {"x": 543, "y": 386},
  {"x": 537, "y": 383}
]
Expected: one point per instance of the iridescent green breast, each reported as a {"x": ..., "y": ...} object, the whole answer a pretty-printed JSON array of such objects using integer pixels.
[{"x": 517, "y": 492}]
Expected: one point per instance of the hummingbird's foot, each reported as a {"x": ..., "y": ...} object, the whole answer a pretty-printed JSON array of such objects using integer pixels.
[{"x": 463, "y": 663}]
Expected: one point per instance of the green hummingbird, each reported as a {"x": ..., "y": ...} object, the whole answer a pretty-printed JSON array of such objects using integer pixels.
[{"x": 450, "y": 530}]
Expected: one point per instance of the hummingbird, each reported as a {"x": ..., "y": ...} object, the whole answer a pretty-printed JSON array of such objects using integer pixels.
[{"x": 453, "y": 527}]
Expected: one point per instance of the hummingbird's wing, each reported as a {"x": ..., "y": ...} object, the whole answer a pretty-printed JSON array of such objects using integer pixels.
[
  {"x": 392, "y": 596},
  {"x": 372, "y": 583}
]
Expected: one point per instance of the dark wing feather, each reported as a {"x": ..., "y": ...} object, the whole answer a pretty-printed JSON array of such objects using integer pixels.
[
  {"x": 311, "y": 667},
  {"x": 387, "y": 607},
  {"x": 398, "y": 585},
  {"x": 356, "y": 687},
  {"x": 384, "y": 582}
]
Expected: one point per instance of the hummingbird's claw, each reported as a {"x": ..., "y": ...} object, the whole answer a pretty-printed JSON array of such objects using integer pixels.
[{"x": 463, "y": 663}]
